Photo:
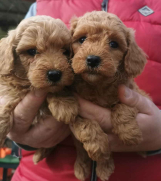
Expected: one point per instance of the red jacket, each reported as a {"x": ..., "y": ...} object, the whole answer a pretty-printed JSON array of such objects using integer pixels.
[{"x": 128, "y": 166}]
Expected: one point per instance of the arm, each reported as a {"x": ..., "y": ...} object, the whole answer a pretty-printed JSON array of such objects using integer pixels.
[{"x": 31, "y": 11}]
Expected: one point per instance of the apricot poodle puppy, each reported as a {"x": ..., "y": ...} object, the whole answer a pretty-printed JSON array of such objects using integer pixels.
[
  {"x": 36, "y": 56},
  {"x": 105, "y": 56}
]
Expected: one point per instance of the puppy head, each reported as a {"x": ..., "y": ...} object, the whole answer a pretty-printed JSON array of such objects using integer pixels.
[
  {"x": 38, "y": 50},
  {"x": 102, "y": 44}
]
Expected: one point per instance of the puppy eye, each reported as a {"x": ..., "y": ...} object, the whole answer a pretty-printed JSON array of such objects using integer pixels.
[
  {"x": 82, "y": 39},
  {"x": 114, "y": 44},
  {"x": 32, "y": 52},
  {"x": 66, "y": 53}
]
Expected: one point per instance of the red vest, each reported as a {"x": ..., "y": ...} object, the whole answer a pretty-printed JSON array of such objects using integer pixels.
[{"x": 128, "y": 166}]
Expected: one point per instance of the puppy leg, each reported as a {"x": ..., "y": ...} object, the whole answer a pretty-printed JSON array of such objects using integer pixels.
[
  {"x": 6, "y": 121},
  {"x": 63, "y": 109},
  {"x": 94, "y": 140},
  {"x": 6, "y": 117},
  {"x": 105, "y": 168},
  {"x": 41, "y": 153},
  {"x": 125, "y": 125},
  {"x": 83, "y": 163}
]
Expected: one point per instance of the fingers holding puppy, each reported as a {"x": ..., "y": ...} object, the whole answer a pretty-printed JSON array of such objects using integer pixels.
[
  {"x": 24, "y": 114},
  {"x": 134, "y": 99},
  {"x": 45, "y": 134},
  {"x": 26, "y": 111}
]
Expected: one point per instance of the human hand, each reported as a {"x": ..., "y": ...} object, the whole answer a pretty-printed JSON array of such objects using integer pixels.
[
  {"x": 47, "y": 133},
  {"x": 148, "y": 119}
]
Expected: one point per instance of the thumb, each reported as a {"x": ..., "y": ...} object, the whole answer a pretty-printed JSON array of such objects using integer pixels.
[{"x": 134, "y": 99}]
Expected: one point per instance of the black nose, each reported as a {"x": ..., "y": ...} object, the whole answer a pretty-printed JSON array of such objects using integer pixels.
[
  {"x": 93, "y": 61},
  {"x": 54, "y": 75}
]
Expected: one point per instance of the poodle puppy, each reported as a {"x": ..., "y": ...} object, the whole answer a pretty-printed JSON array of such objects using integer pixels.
[
  {"x": 36, "y": 56},
  {"x": 105, "y": 56}
]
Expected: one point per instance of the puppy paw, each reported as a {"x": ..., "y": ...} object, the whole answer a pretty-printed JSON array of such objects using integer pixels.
[
  {"x": 83, "y": 162},
  {"x": 105, "y": 169},
  {"x": 98, "y": 149},
  {"x": 38, "y": 156},
  {"x": 124, "y": 124},
  {"x": 65, "y": 110},
  {"x": 41, "y": 153},
  {"x": 131, "y": 135},
  {"x": 82, "y": 170},
  {"x": 94, "y": 140},
  {"x": 65, "y": 115}
]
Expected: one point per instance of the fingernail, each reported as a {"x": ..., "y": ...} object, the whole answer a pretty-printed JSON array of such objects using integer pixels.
[
  {"x": 127, "y": 92},
  {"x": 39, "y": 93}
]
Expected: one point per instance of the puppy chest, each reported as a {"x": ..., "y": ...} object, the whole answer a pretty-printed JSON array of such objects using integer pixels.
[{"x": 104, "y": 98}]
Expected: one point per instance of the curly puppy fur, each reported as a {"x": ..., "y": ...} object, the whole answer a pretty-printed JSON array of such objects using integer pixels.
[
  {"x": 38, "y": 45},
  {"x": 105, "y": 56}
]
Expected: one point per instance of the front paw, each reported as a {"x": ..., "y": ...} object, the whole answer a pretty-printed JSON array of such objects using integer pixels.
[
  {"x": 134, "y": 138},
  {"x": 67, "y": 115},
  {"x": 130, "y": 134},
  {"x": 65, "y": 112},
  {"x": 98, "y": 149},
  {"x": 125, "y": 125},
  {"x": 94, "y": 140}
]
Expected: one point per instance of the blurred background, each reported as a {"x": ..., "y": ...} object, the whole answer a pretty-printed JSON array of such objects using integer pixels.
[{"x": 11, "y": 13}]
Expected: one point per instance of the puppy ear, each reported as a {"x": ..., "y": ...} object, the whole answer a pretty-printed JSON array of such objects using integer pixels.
[
  {"x": 73, "y": 24},
  {"x": 6, "y": 54},
  {"x": 135, "y": 58}
]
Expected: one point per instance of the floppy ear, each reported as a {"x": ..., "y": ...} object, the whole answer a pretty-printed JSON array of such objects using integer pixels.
[
  {"x": 135, "y": 58},
  {"x": 6, "y": 53},
  {"x": 73, "y": 24}
]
